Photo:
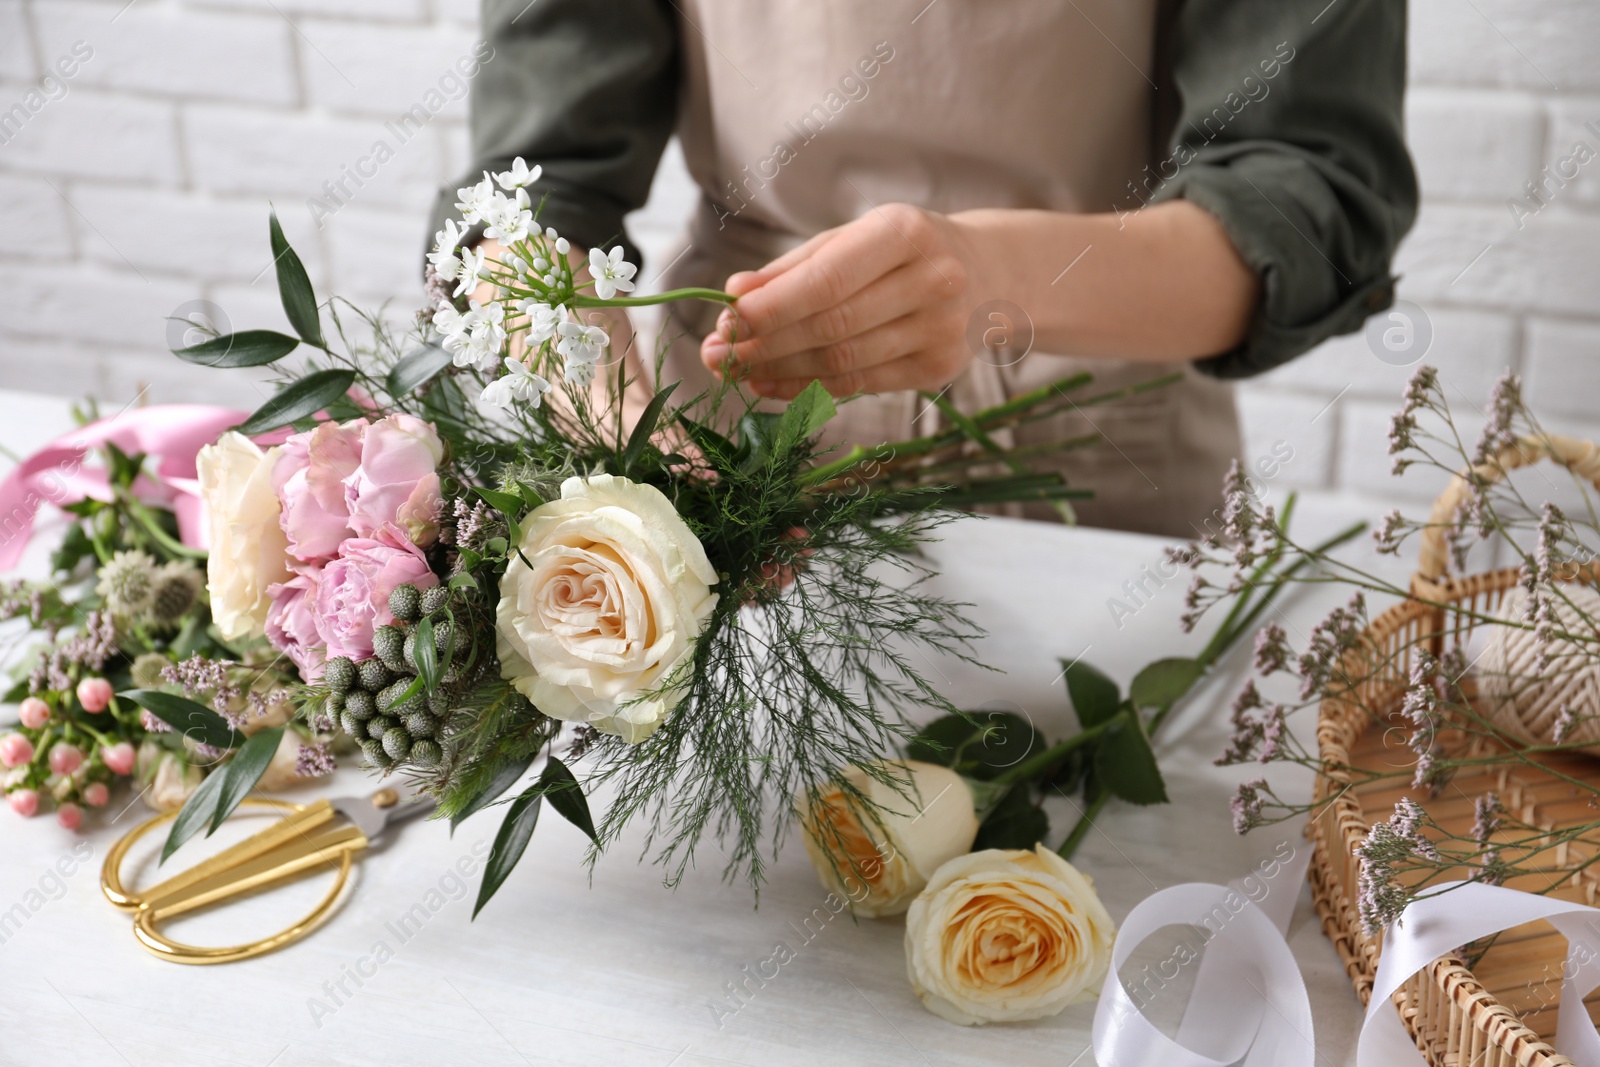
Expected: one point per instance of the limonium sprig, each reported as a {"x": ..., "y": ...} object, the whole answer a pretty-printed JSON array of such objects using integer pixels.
[{"x": 537, "y": 293}]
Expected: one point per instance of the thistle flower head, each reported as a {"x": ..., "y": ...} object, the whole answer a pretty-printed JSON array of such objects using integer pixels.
[
  {"x": 127, "y": 582},
  {"x": 175, "y": 591}
]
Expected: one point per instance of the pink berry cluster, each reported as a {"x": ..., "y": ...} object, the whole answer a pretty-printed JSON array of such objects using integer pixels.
[{"x": 67, "y": 748}]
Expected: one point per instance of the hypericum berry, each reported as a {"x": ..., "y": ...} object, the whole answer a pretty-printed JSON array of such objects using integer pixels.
[
  {"x": 388, "y": 644},
  {"x": 33, "y": 713},
  {"x": 359, "y": 702},
  {"x": 374, "y": 675},
  {"x": 379, "y": 725},
  {"x": 420, "y": 724},
  {"x": 353, "y": 726},
  {"x": 397, "y": 743},
  {"x": 375, "y": 754},
  {"x": 96, "y": 794},
  {"x": 405, "y": 603},
  {"x": 25, "y": 802},
  {"x": 426, "y": 753},
  {"x": 94, "y": 694},
  {"x": 15, "y": 750},
  {"x": 65, "y": 758},
  {"x": 119, "y": 758},
  {"x": 70, "y": 816},
  {"x": 339, "y": 673},
  {"x": 434, "y": 599}
]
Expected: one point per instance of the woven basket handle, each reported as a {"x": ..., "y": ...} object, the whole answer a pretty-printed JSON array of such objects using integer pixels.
[{"x": 1582, "y": 457}]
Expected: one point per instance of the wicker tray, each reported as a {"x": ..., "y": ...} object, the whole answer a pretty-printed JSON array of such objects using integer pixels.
[{"x": 1501, "y": 1012}]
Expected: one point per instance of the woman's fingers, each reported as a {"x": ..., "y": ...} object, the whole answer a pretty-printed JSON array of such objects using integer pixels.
[
  {"x": 858, "y": 352},
  {"x": 906, "y": 372}
]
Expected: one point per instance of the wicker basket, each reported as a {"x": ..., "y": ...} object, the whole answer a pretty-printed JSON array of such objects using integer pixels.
[{"x": 1500, "y": 1012}]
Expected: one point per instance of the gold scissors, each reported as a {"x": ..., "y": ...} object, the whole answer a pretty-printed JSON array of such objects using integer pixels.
[{"x": 310, "y": 838}]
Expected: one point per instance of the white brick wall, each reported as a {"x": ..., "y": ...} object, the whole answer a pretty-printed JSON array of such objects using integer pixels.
[{"x": 146, "y": 185}]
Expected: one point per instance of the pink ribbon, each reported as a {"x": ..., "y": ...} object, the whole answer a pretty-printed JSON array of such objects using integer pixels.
[{"x": 174, "y": 433}]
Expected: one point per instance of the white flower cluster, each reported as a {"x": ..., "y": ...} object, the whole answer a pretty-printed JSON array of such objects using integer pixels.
[{"x": 535, "y": 290}]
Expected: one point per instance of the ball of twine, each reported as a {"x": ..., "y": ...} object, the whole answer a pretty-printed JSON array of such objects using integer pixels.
[{"x": 1527, "y": 701}]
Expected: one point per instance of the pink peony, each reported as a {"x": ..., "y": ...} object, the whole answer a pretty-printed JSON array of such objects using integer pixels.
[
  {"x": 118, "y": 757},
  {"x": 352, "y": 597},
  {"x": 292, "y": 622},
  {"x": 397, "y": 484},
  {"x": 309, "y": 479},
  {"x": 15, "y": 750}
]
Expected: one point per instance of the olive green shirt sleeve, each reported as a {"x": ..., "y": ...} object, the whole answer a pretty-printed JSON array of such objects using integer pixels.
[
  {"x": 587, "y": 89},
  {"x": 1289, "y": 130}
]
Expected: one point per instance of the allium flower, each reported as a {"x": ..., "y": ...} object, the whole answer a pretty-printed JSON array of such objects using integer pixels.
[
  {"x": 517, "y": 385},
  {"x": 471, "y": 268},
  {"x": 447, "y": 238},
  {"x": 611, "y": 273},
  {"x": 520, "y": 176},
  {"x": 506, "y": 220},
  {"x": 475, "y": 199},
  {"x": 542, "y": 320},
  {"x": 127, "y": 582}
]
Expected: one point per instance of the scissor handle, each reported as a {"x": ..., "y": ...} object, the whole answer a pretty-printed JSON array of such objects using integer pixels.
[{"x": 296, "y": 844}]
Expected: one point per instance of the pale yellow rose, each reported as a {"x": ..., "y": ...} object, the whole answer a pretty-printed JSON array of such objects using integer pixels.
[
  {"x": 1002, "y": 936},
  {"x": 880, "y": 852},
  {"x": 248, "y": 550},
  {"x": 607, "y": 607}
]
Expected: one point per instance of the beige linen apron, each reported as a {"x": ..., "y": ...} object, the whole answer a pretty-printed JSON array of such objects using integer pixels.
[{"x": 797, "y": 117}]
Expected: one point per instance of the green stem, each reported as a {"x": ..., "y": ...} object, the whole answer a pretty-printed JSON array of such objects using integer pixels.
[
  {"x": 1081, "y": 830},
  {"x": 153, "y": 528},
  {"x": 714, "y": 295},
  {"x": 1040, "y": 761}
]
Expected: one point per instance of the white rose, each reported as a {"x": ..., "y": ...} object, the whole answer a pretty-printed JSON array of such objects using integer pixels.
[
  {"x": 1001, "y": 936},
  {"x": 174, "y": 780},
  {"x": 880, "y": 852},
  {"x": 247, "y": 545},
  {"x": 617, "y": 592}
]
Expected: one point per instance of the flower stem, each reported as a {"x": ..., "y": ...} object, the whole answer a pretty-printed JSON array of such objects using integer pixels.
[
  {"x": 714, "y": 295},
  {"x": 1042, "y": 760},
  {"x": 1085, "y": 823}
]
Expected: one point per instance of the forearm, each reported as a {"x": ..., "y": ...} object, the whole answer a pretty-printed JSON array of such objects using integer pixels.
[{"x": 1160, "y": 285}]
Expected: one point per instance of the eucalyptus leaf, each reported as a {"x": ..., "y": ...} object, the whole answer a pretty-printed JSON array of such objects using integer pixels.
[
  {"x": 1125, "y": 764},
  {"x": 195, "y": 814},
  {"x": 1164, "y": 682},
  {"x": 1094, "y": 696},
  {"x": 508, "y": 776},
  {"x": 416, "y": 368},
  {"x": 190, "y": 720},
  {"x": 566, "y": 796},
  {"x": 299, "y": 399},
  {"x": 294, "y": 288},
  {"x": 249, "y": 348},
  {"x": 243, "y": 771},
  {"x": 510, "y": 843}
]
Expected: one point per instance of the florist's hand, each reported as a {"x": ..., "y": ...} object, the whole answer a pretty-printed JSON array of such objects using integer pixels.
[{"x": 875, "y": 305}]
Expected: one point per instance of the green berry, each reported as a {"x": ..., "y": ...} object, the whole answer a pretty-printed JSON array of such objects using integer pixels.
[
  {"x": 438, "y": 703},
  {"x": 339, "y": 673},
  {"x": 426, "y": 753},
  {"x": 334, "y": 704},
  {"x": 379, "y": 725},
  {"x": 434, "y": 599},
  {"x": 397, "y": 743},
  {"x": 353, "y": 726},
  {"x": 375, "y": 754},
  {"x": 359, "y": 702},
  {"x": 388, "y": 698},
  {"x": 388, "y": 644},
  {"x": 374, "y": 675},
  {"x": 405, "y": 603},
  {"x": 420, "y": 724}
]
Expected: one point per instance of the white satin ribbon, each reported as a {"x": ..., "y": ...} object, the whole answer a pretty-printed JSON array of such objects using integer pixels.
[{"x": 1249, "y": 1001}]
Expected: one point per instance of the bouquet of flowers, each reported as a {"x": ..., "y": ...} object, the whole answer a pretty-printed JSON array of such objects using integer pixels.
[{"x": 473, "y": 558}]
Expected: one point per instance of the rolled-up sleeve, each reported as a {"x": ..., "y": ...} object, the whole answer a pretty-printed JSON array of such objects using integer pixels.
[
  {"x": 588, "y": 90},
  {"x": 1290, "y": 132}
]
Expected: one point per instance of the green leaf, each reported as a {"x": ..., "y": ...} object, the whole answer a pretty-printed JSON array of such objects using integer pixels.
[
  {"x": 805, "y": 415},
  {"x": 426, "y": 655},
  {"x": 1094, "y": 696},
  {"x": 299, "y": 399},
  {"x": 530, "y": 495},
  {"x": 294, "y": 289},
  {"x": 566, "y": 796},
  {"x": 505, "y": 503},
  {"x": 504, "y": 779},
  {"x": 191, "y": 720},
  {"x": 509, "y": 845},
  {"x": 463, "y": 581},
  {"x": 250, "y": 348},
  {"x": 720, "y": 452},
  {"x": 243, "y": 771},
  {"x": 416, "y": 368},
  {"x": 1125, "y": 764},
  {"x": 1015, "y": 822},
  {"x": 196, "y": 813},
  {"x": 1164, "y": 682},
  {"x": 978, "y": 744},
  {"x": 645, "y": 427}
]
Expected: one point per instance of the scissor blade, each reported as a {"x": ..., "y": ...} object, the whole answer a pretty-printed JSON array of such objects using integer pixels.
[{"x": 372, "y": 814}]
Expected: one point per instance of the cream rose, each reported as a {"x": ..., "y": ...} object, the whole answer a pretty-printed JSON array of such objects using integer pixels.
[
  {"x": 248, "y": 549},
  {"x": 880, "y": 852},
  {"x": 606, "y": 609},
  {"x": 1002, "y": 936},
  {"x": 172, "y": 781}
]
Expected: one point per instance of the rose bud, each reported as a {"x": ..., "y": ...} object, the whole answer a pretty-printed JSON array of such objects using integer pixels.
[
  {"x": 94, "y": 694},
  {"x": 119, "y": 757},
  {"x": 70, "y": 816},
  {"x": 24, "y": 802},
  {"x": 15, "y": 750},
  {"x": 1006, "y": 935},
  {"x": 881, "y": 852},
  {"x": 96, "y": 794},
  {"x": 33, "y": 712},
  {"x": 65, "y": 758}
]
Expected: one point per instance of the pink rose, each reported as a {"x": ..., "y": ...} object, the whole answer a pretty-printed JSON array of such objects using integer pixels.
[
  {"x": 310, "y": 481},
  {"x": 352, "y": 598},
  {"x": 397, "y": 482},
  {"x": 292, "y": 622}
]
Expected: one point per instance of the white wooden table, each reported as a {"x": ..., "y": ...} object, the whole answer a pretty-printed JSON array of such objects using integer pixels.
[{"x": 562, "y": 970}]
